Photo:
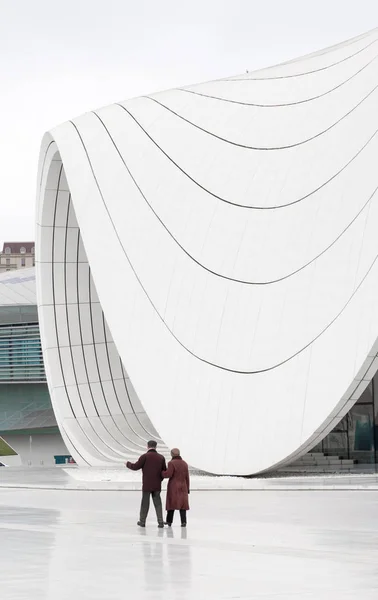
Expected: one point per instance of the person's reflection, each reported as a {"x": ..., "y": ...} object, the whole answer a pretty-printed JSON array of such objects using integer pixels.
[
  {"x": 154, "y": 576},
  {"x": 179, "y": 560}
]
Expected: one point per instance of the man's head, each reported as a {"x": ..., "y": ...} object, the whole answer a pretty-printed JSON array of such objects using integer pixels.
[
  {"x": 151, "y": 445},
  {"x": 175, "y": 452}
]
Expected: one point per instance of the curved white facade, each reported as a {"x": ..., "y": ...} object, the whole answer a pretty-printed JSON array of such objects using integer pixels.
[{"x": 207, "y": 264}]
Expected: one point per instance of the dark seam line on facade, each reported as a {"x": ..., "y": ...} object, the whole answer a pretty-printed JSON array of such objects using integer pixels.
[
  {"x": 306, "y": 72},
  {"x": 61, "y": 426},
  {"x": 55, "y": 317},
  {"x": 43, "y": 165},
  {"x": 53, "y": 293},
  {"x": 312, "y": 55},
  {"x": 327, "y": 50},
  {"x": 115, "y": 389},
  {"x": 68, "y": 304},
  {"x": 105, "y": 381},
  {"x": 99, "y": 374},
  {"x": 150, "y": 435},
  {"x": 262, "y": 148},
  {"x": 89, "y": 384},
  {"x": 245, "y": 206},
  {"x": 215, "y": 273},
  {"x": 99, "y": 450},
  {"x": 81, "y": 345},
  {"x": 166, "y": 325},
  {"x": 56, "y": 227},
  {"x": 67, "y": 316},
  {"x": 281, "y": 105}
]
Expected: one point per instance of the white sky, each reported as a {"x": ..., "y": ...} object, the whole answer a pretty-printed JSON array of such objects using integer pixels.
[{"x": 60, "y": 58}]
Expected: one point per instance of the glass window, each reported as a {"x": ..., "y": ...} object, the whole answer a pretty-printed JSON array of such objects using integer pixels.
[
  {"x": 367, "y": 395},
  {"x": 361, "y": 433},
  {"x": 8, "y": 261},
  {"x": 32, "y": 250},
  {"x": 7, "y": 250},
  {"x": 22, "y": 262},
  {"x": 22, "y": 250}
]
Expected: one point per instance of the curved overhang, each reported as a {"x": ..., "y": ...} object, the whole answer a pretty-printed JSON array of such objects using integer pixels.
[{"x": 207, "y": 264}]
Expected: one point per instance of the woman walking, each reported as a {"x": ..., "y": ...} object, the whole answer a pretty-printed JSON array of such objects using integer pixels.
[{"x": 178, "y": 487}]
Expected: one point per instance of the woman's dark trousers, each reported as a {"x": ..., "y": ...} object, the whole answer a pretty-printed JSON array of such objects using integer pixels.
[{"x": 170, "y": 514}]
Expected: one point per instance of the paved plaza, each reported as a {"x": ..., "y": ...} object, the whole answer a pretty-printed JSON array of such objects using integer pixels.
[{"x": 75, "y": 544}]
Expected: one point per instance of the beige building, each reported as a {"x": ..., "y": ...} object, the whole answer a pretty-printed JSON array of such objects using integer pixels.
[{"x": 16, "y": 255}]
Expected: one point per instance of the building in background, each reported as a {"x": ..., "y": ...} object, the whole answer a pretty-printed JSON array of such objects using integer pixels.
[
  {"x": 16, "y": 255},
  {"x": 27, "y": 421}
]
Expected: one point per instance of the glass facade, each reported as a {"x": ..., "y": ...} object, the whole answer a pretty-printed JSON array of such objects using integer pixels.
[
  {"x": 356, "y": 436},
  {"x": 21, "y": 353},
  {"x": 24, "y": 397}
]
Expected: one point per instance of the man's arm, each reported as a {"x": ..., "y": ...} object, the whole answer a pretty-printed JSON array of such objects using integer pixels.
[
  {"x": 169, "y": 472},
  {"x": 138, "y": 465},
  {"x": 188, "y": 481}
]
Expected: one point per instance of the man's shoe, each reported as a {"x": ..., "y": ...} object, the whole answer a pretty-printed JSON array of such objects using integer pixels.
[
  {"x": 140, "y": 524},
  {"x": 160, "y": 525},
  {"x": 183, "y": 524}
]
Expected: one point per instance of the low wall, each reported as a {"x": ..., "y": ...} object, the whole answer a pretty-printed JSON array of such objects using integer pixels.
[{"x": 40, "y": 451}]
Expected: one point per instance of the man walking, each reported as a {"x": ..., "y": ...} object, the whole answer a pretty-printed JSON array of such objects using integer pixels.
[{"x": 152, "y": 465}]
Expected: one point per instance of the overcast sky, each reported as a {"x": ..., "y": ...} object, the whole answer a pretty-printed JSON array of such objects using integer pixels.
[{"x": 61, "y": 58}]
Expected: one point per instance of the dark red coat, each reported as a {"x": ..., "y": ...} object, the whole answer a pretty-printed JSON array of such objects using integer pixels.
[
  {"x": 178, "y": 484},
  {"x": 152, "y": 465}
]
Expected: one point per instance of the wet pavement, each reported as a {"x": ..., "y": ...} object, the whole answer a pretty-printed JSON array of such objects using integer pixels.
[{"x": 281, "y": 545}]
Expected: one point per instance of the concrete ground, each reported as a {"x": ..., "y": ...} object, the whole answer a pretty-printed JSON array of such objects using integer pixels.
[{"x": 273, "y": 545}]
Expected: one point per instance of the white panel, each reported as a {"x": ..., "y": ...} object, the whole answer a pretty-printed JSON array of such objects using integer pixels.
[
  {"x": 61, "y": 211},
  {"x": 102, "y": 361},
  {"x": 71, "y": 245},
  {"x": 83, "y": 277},
  {"x": 86, "y": 324},
  {"x": 45, "y": 271},
  {"x": 47, "y": 326},
  {"x": 98, "y": 325},
  {"x": 78, "y": 359},
  {"x": 86, "y": 397},
  {"x": 74, "y": 324},
  {"x": 91, "y": 364},
  {"x": 71, "y": 282},
  {"x": 61, "y": 325},
  {"x": 67, "y": 366}
]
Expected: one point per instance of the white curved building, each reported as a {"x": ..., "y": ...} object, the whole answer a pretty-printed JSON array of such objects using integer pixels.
[{"x": 207, "y": 264}]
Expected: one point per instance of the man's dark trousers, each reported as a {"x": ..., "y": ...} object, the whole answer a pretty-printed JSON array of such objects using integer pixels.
[{"x": 144, "y": 508}]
